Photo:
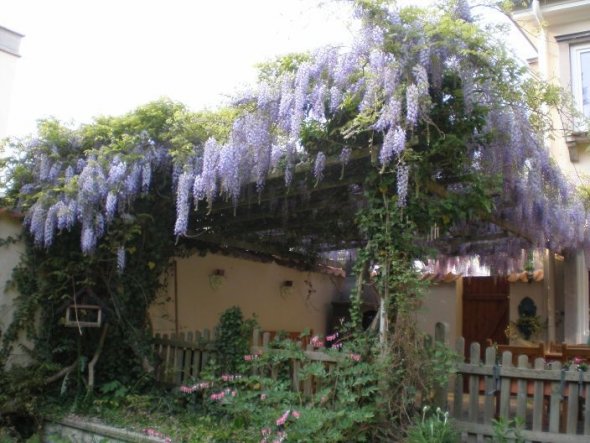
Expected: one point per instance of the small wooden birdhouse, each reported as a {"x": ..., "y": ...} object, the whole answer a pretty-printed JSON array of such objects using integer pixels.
[
  {"x": 83, "y": 316},
  {"x": 85, "y": 311}
]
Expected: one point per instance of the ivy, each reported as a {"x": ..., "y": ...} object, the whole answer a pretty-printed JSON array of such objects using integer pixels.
[
  {"x": 10, "y": 240},
  {"x": 444, "y": 129}
]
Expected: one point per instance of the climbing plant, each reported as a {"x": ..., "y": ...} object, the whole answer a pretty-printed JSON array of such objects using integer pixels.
[
  {"x": 65, "y": 263},
  {"x": 442, "y": 127}
]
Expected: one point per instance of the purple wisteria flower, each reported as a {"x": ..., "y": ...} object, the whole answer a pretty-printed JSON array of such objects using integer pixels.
[
  {"x": 185, "y": 182},
  {"x": 412, "y": 105},
  {"x": 300, "y": 96},
  {"x": 111, "y": 206},
  {"x": 463, "y": 10},
  {"x": 121, "y": 259},
  {"x": 403, "y": 172},
  {"x": 319, "y": 166},
  {"x": 50, "y": 225}
]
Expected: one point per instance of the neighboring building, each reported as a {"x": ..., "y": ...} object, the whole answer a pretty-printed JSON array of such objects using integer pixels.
[
  {"x": 560, "y": 32},
  {"x": 9, "y": 54},
  {"x": 10, "y": 223}
]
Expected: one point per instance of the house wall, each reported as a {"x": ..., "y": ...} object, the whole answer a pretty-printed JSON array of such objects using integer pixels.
[
  {"x": 442, "y": 303},
  {"x": 9, "y": 47},
  {"x": 253, "y": 286},
  {"x": 7, "y": 68},
  {"x": 9, "y": 257},
  {"x": 555, "y": 65}
]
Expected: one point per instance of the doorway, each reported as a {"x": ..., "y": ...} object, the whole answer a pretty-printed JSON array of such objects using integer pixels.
[{"x": 485, "y": 310}]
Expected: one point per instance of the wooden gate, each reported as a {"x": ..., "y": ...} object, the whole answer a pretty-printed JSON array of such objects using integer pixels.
[{"x": 485, "y": 309}]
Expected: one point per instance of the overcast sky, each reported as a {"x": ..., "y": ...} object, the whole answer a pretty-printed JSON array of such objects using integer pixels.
[{"x": 83, "y": 58}]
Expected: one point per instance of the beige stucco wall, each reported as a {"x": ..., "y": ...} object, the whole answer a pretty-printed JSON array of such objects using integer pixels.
[
  {"x": 253, "y": 286},
  {"x": 9, "y": 258},
  {"x": 442, "y": 303}
]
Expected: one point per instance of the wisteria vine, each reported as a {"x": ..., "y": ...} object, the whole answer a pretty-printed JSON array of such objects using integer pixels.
[{"x": 388, "y": 78}]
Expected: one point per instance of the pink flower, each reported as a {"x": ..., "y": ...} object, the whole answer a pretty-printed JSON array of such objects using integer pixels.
[
  {"x": 234, "y": 393},
  {"x": 332, "y": 337},
  {"x": 316, "y": 342},
  {"x": 248, "y": 357},
  {"x": 187, "y": 389},
  {"x": 265, "y": 432},
  {"x": 355, "y": 357},
  {"x": 153, "y": 433},
  {"x": 230, "y": 377},
  {"x": 283, "y": 418},
  {"x": 296, "y": 414},
  {"x": 218, "y": 396}
]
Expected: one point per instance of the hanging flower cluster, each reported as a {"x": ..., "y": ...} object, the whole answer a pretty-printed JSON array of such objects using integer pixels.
[{"x": 89, "y": 191}]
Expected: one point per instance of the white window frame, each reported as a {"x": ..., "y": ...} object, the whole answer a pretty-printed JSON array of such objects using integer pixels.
[{"x": 576, "y": 74}]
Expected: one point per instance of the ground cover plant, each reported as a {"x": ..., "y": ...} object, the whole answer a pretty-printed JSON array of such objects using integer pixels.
[{"x": 421, "y": 141}]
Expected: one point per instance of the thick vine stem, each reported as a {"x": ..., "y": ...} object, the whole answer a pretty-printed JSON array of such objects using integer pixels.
[
  {"x": 384, "y": 299},
  {"x": 62, "y": 373},
  {"x": 96, "y": 357}
]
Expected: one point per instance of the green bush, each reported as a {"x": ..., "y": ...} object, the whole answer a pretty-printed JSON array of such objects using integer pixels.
[{"x": 433, "y": 427}]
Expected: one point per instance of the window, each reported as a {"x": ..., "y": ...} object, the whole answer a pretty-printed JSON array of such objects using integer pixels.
[{"x": 580, "y": 56}]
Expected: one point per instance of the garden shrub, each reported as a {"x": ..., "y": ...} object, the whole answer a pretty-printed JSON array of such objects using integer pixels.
[{"x": 343, "y": 406}]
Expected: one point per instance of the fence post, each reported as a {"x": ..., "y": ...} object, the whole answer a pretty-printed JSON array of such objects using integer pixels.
[
  {"x": 539, "y": 388},
  {"x": 458, "y": 393},
  {"x": 158, "y": 354},
  {"x": 307, "y": 383},
  {"x": 207, "y": 340},
  {"x": 521, "y": 396},
  {"x": 555, "y": 401},
  {"x": 491, "y": 393},
  {"x": 474, "y": 359},
  {"x": 441, "y": 335},
  {"x": 572, "y": 405},
  {"x": 441, "y": 332},
  {"x": 179, "y": 363},
  {"x": 296, "y": 367},
  {"x": 505, "y": 386},
  {"x": 169, "y": 375},
  {"x": 188, "y": 358},
  {"x": 587, "y": 409},
  {"x": 197, "y": 355},
  {"x": 255, "y": 339}
]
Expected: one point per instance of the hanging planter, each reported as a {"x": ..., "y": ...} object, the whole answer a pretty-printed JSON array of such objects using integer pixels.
[{"x": 216, "y": 279}]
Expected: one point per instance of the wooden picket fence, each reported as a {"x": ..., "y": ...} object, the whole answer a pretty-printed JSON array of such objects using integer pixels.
[
  {"x": 184, "y": 356},
  {"x": 552, "y": 402}
]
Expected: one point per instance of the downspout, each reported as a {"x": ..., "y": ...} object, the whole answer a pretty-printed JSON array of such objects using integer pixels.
[{"x": 541, "y": 42}]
